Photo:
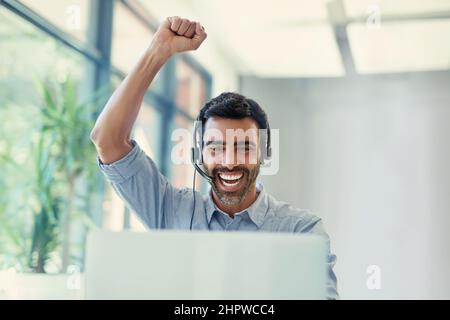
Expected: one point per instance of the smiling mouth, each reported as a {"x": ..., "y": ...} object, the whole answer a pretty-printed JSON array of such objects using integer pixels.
[{"x": 230, "y": 179}]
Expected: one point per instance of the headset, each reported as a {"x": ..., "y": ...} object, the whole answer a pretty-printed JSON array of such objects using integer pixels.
[{"x": 197, "y": 151}]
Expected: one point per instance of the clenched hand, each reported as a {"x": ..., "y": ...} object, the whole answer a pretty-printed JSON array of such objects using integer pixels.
[{"x": 178, "y": 35}]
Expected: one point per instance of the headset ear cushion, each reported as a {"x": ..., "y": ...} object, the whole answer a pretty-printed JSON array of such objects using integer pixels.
[
  {"x": 194, "y": 152},
  {"x": 200, "y": 155},
  {"x": 196, "y": 155},
  {"x": 266, "y": 149},
  {"x": 266, "y": 156}
]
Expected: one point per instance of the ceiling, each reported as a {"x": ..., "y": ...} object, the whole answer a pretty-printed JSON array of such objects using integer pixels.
[{"x": 321, "y": 38}]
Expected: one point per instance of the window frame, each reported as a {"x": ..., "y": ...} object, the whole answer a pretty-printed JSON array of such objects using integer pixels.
[{"x": 97, "y": 49}]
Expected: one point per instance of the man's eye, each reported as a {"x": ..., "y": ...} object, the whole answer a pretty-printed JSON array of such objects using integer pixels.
[
  {"x": 215, "y": 149},
  {"x": 246, "y": 149}
]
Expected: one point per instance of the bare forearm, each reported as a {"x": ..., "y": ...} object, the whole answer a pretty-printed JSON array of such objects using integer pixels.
[
  {"x": 112, "y": 129},
  {"x": 113, "y": 126}
]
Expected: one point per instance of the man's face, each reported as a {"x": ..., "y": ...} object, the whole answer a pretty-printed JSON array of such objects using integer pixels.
[{"x": 231, "y": 156}]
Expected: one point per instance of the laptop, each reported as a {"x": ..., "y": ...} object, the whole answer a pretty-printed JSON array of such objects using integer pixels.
[{"x": 170, "y": 264}]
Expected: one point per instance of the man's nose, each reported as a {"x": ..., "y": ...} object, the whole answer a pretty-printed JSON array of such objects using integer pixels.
[{"x": 229, "y": 161}]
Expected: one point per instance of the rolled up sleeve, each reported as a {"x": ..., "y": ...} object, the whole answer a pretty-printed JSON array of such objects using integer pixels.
[{"x": 147, "y": 192}]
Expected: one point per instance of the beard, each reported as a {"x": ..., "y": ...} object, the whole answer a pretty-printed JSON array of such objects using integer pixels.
[{"x": 235, "y": 197}]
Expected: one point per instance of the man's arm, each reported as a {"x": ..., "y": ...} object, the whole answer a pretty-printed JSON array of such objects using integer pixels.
[
  {"x": 132, "y": 174},
  {"x": 111, "y": 133}
]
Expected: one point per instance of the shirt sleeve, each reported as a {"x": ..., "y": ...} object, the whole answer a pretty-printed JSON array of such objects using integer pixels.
[
  {"x": 147, "y": 192},
  {"x": 315, "y": 226}
]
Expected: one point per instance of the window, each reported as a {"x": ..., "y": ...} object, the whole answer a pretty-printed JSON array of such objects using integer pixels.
[
  {"x": 191, "y": 88},
  {"x": 182, "y": 174},
  {"x": 191, "y": 94},
  {"x": 147, "y": 131},
  {"x": 72, "y": 16},
  {"x": 131, "y": 37},
  {"x": 36, "y": 193},
  {"x": 39, "y": 72}
]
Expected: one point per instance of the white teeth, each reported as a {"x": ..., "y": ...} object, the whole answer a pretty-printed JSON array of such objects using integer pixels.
[
  {"x": 230, "y": 184},
  {"x": 229, "y": 180},
  {"x": 230, "y": 177}
]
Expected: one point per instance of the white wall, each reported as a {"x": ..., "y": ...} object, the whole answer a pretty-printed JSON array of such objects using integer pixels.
[{"x": 370, "y": 156}]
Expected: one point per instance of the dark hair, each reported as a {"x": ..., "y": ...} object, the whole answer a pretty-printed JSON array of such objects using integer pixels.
[{"x": 233, "y": 105}]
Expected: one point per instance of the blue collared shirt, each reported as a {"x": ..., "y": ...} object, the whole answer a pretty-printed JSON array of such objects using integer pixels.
[{"x": 159, "y": 205}]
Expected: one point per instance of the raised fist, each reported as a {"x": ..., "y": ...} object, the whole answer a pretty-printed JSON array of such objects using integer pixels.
[{"x": 178, "y": 35}]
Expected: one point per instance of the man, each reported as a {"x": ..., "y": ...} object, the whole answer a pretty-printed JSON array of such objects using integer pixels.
[{"x": 236, "y": 201}]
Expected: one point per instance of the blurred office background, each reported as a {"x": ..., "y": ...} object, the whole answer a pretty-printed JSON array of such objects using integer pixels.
[{"x": 358, "y": 88}]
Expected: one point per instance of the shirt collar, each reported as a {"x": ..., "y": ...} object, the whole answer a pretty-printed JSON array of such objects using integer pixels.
[{"x": 257, "y": 211}]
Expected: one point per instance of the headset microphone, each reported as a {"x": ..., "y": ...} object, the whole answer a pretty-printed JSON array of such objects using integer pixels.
[
  {"x": 196, "y": 156},
  {"x": 197, "y": 167}
]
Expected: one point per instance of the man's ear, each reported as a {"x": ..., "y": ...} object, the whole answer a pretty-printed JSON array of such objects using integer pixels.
[{"x": 260, "y": 156}]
